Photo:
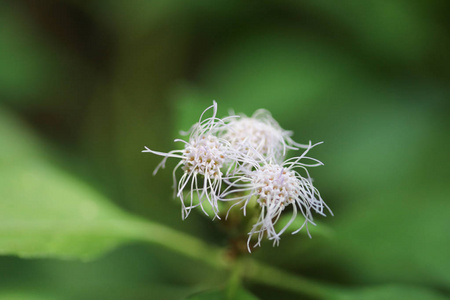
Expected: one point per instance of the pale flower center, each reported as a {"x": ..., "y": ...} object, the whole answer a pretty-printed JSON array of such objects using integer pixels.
[
  {"x": 204, "y": 156},
  {"x": 254, "y": 133},
  {"x": 275, "y": 185}
]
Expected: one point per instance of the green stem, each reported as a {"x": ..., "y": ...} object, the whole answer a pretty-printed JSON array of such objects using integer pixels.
[
  {"x": 235, "y": 280},
  {"x": 271, "y": 276},
  {"x": 174, "y": 240},
  {"x": 248, "y": 268}
]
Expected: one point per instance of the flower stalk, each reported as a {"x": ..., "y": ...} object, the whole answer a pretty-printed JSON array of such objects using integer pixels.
[{"x": 240, "y": 268}]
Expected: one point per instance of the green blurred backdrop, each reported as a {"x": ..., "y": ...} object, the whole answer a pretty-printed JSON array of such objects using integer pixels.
[{"x": 89, "y": 83}]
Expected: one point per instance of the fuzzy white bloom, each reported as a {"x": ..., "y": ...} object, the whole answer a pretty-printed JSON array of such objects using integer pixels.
[
  {"x": 260, "y": 136},
  {"x": 276, "y": 186},
  {"x": 202, "y": 160},
  {"x": 239, "y": 160}
]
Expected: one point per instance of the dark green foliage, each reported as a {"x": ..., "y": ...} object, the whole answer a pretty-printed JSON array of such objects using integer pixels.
[{"x": 85, "y": 85}]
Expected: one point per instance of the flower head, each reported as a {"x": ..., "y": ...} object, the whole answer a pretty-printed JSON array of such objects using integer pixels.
[
  {"x": 240, "y": 161},
  {"x": 260, "y": 136},
  {"x": 203, "y": 157},
  {"x": 276, "y": 186}
]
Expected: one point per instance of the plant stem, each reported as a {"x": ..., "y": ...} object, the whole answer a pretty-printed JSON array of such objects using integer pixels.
[
  {"x": 216, "y": 257},
  {"x": 174, "y": 240},
  {"x": 264, "y": 274},
  {"x": 235, "y": 280}
]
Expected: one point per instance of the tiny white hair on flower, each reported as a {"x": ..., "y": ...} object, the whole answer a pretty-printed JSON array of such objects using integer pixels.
[
  {"x": 202, "y": 159},
  {"x": 260, "y": 136},
  {"x": 275, "y": 186}
]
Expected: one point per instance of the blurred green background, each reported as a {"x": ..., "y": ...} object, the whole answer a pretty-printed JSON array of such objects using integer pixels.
[{"x": 84, "y": 85}]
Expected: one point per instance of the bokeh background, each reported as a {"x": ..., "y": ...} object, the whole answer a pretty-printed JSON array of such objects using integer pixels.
[{"x": 92, "y": 82}]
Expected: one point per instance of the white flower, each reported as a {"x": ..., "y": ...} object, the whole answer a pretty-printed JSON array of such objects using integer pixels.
[
  {"x": 260, "y": 136},
  {"x": 202, "y": 159},
  {"x": 240, "y": 161},
  {"x": 276, "y": 186}
]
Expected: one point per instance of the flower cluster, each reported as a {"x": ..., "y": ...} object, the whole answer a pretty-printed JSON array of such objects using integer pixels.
[{"x": 240, "y": 161}]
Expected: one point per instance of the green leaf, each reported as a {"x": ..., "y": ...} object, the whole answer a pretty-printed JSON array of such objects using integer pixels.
[
  {"x": 390, "y": 292},
  {"x": 16, "y": 295},
  {"x": 46, "y": 212},
  {"x": 101, "y": 289},
  {"x": 221, "y": 294}
]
